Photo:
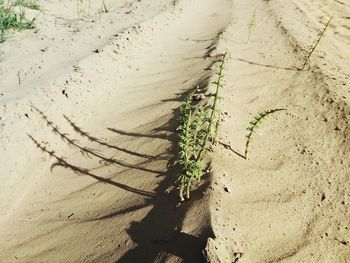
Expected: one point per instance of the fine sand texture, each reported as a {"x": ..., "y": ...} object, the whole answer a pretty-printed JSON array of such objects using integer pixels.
[
  {"x": 89, "y": 107},
  {"x": 289, "y": 200}
]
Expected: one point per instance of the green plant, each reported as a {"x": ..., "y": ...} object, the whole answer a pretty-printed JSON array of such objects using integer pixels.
[
  {"x": 32, "y": 4},
  {"x": 191, "y": 134},
  {"x": 316, "y": 43},
  {"x": 198, "y": 127},
  {"x": 255, "y": 124},
  {"x": 214, "y": 119},
  {"x": 9, "y": 19},
  {"x": 251, "y": 25}
]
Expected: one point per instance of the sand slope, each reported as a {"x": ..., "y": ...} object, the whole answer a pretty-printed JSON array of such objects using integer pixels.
[
  {"x": 289, "y": 202},
  {"x": 89, "y": 102},
  {"x": 90, "y": 151}
]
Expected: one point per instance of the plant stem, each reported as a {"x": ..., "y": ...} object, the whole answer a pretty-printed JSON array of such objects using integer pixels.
[
  {"x": 213, "y": 110},
  {"x": 317, "y": 42},
  {"x": 254, "y": 125}
]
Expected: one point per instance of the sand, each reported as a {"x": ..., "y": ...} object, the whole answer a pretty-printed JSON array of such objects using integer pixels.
[{"x": 88, "y": 112}]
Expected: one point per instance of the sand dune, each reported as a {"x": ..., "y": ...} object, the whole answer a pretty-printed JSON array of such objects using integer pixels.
[
  {"x": 289, "y": 200},
  {"x": 89, "y": 107}
]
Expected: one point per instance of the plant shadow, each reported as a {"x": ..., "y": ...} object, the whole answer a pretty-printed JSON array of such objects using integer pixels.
[
  {"x": 160, "y": 235},
  {"x": 267, "y": 65}
]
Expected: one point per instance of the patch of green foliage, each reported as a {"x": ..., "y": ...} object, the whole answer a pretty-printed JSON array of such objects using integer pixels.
[
  {"x": 198, "y": 128},
  {"x": 254, "y": 125},
  {"x": 12, "y": 20},
  {"x": 32, "y": 4}
]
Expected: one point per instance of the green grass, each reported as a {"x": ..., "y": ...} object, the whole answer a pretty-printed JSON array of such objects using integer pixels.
[
  {"x": 191, "y": 136},
  {"x": 251, "y": 26},
  {"x": 12, "y": 20},
  {"x": 254, "y": 125},
  {"x": 32, "y": 4},
  {"x": 197, "y": 130},
  {"x": 322, "y": 33}
]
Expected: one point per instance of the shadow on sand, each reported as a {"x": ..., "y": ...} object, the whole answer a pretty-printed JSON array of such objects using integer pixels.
[{"x": 159, "y": 234}]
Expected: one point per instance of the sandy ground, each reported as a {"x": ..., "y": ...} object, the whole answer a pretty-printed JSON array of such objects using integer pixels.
[{"x": 88, "y": 111}]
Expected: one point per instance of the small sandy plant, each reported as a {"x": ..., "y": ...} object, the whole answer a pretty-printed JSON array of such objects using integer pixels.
[
  {"x": 306, "y": 61},
  {"x": 251, "y": 26},
  {"x": 10, "y": 19},
  {"x": 197, "y": 130},
  {"x": 255, "y": 124}
]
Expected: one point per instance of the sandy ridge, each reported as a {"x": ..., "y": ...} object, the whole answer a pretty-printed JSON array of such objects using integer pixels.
[
  {"x": 288, "y": 201},
  {"x": 90, "y": 144},
  {"x": 113, "y": 143}
]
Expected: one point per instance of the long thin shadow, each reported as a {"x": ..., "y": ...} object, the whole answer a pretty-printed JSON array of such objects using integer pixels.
[
  {"x": 202, "y": 84},
  {"x": 213, "y": 39},
  {"x": 206, "y": 56},
  {"x": 229, "y": 147},
  {"x": 234, "y": 41},
  {"x": 267, "y": 65},
  {"x": 122, "y": 212},
  {"x": 140, "y": 135},
  {"x": 209, "y": 50},
  {"x": 85, "y": 151},
  {"x": 97, "y": 140},
  {"x": 82, "y": 171}
]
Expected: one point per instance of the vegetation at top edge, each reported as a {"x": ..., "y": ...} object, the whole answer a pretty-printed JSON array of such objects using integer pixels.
[
  {"x": 10, "y": 19},
  {"x": 32, "y": 4},
  {"x": 198, "y": 128}
]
